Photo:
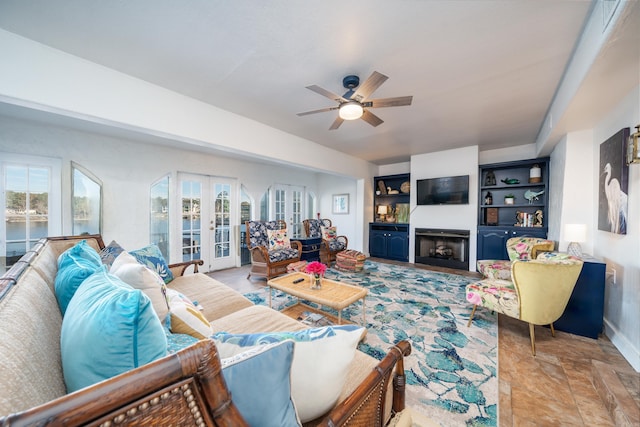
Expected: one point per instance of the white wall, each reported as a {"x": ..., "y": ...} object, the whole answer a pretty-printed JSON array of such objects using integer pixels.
[
  {"x": 461, "y": 161},
  {"x": 621, "y": 252},
  {"x": 128, "y": 168},
  {"x": 347, "y": 224}
]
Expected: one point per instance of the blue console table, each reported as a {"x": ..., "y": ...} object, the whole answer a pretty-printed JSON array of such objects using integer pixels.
[{"x": 585, "y": 310}]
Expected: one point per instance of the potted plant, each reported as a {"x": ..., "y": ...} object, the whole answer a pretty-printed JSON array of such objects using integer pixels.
[{"x": 509, "y": 199}]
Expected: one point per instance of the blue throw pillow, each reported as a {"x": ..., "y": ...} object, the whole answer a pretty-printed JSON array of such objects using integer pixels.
[
  {"x": 79, "y": 250},
  {"x": 152, "y": 258},
  {"x": 259, "y": 382},
  {"x": 69, "y": 278},
  {"x": 109, "y": 328}
]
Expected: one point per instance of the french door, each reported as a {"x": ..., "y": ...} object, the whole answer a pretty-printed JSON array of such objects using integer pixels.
[
  {"x": 288, "y": 205},
  {"x": 30, "y": 204},
  {"x": 209, "y": 220}
]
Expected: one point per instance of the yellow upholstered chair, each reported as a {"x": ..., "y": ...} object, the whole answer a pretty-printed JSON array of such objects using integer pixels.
[
  {"x": 518, "y": 248},
  {"x": 537, "y": 294},
  {"x": 331, "y": 242}
]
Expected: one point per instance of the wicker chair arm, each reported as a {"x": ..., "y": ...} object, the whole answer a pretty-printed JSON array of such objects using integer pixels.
[
  {"x": 295, "y": 244},
  {"x": 365, "y": 406},
  {"x": 259, "y": 254},
  {"x": 344, "y": 240},
  {"x": 179, "y": 268}
]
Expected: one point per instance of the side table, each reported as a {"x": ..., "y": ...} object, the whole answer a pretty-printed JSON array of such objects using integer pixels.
[
  {"x": 310, "y": 249},
  {"x": 585, "y": 310}
]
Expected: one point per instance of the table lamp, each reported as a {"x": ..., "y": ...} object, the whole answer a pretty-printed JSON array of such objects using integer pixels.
[
  {"x": 576, "y": 234},
  {"x": 382, "y": 211}
]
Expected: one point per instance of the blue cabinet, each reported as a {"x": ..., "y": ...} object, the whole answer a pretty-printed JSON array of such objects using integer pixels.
[
  {"x": 389, "y": 241},
  {"x": 585, "y": 309},
  {"x": 492, "y": 241}
]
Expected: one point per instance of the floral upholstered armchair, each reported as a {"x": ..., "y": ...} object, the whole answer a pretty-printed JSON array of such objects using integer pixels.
[
  {"x": 270, "y": 247},
  {"x": 537, "y": 294},
  {"x": 518, "y": 248},
  {"x": 331, "y": 242}
]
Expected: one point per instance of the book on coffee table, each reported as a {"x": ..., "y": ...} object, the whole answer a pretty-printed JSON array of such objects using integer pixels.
[{"x": 314, "y": 319}]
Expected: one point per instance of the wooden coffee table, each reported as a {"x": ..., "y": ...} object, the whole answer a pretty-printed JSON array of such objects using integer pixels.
[{"x": 333, "y": 294}]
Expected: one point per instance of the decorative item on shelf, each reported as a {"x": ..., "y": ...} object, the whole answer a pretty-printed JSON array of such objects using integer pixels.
[
  {"x": 490, "y": 178},
  {"x": 390, "y": 191},
  {"x": 576, "y": 234},
  {"x": 488, "y": 199},
  {"x": 535, "y": 174},
  {"x": 382, "y": 212},
  {"x": 391, "y": 215},
  {"x": 492, "y": 216},
  {"x": 402, "y": 212},
  {"x": 538, "y": 221},
  {"x": 532, "y": 195},
  {"x": 511, "y": 181},
  {"x": 524, "y": 219},
  {"x": 633, "y": 147},
  {"x": 381, "y": 187},
  {"x": 405, "y": 187},
  {"x": 377, "y": 192},
  {"x": 316, "y": 270},
  {"x": 509, "y": 199}
]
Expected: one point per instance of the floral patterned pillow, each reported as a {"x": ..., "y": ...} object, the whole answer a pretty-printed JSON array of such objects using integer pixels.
[
  {"x": 329, "y": 233},
  {"x": 278, "y": 239}
]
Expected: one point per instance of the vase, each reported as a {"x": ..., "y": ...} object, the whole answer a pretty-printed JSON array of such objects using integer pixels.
[{"x": 316, "y": 281}]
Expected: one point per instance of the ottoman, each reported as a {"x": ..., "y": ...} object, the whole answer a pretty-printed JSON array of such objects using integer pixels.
[{"x": 350, "y": 260}]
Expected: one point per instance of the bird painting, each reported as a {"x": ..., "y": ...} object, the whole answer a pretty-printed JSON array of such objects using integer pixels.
[{"x": 616, "y": 203}]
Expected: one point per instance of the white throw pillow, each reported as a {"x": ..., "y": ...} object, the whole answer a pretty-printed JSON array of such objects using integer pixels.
[
  {"x": 185, "y": 316},
  {"x": 127, "y": 268}
]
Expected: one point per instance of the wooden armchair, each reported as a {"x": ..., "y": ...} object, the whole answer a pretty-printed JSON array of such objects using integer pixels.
[
  {"x": 329, "y": 247},
  {"x": 267, "y": 262}
]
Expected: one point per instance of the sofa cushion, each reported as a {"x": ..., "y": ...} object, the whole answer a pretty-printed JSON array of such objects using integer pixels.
[
  {"x": 215, "y": 299},
  {"x": 320, "y": 363},
  {"x": 278, "y": 239},
  {"x": 259, "y": 381},
  {"x": 185, "y": 316},
  {"x": 69, "y": 278},
  {"x": 109, "y": 253},
  {"x": 109, "y": 328},
  {"x": 153, "y": 258},
  {"x": 127, "y": 268},
  {"x": 79, "y": 250}
]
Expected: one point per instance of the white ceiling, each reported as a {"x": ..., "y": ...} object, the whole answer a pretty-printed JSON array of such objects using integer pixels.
[{"x": 480, "y": 72}]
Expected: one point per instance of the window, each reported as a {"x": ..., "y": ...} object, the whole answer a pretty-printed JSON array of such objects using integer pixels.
[
  {"x": 30, "y": 206},
  {"x": 191, "y": 205},
  {"x": 86, "y": 205},
  {"x": 159, "y": 219}
]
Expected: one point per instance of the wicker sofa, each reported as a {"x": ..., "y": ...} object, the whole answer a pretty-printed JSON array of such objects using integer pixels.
[{"x": 188, "y": 384}]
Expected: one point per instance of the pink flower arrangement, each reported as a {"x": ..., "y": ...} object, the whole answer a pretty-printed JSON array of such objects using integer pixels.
[{"x": 316, "y": 268}]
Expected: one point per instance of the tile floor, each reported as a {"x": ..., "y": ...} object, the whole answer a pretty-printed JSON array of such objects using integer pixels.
[{"x": 561, "y": 386}]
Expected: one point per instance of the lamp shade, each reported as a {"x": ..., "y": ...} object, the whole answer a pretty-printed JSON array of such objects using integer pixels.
[
  {"x": 575, "y": 233},
  {"x": 382, "y": 210},
  {"x": 350, "y": 111}
]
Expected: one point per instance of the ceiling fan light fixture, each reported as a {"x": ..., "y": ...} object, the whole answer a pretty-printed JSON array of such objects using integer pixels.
[{"x": 350, "y": 111}]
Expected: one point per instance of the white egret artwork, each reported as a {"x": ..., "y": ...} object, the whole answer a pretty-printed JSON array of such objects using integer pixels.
[{"x": 614, "y": 182}]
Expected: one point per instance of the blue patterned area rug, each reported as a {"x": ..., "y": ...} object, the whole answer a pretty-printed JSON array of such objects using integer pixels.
[{"x": 452, "y": 369}]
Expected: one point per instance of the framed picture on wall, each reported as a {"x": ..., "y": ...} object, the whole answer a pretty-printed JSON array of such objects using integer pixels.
[
  {"x": 613, "y": 184},
  {"x": 340, "y": 204}
]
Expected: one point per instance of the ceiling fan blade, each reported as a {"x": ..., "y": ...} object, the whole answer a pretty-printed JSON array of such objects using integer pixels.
[
  {"x": 398, "y": 101},
  {"x": 374, "y": 81},
  {"x": 322, "y": 110},
  {"x": 336, "y": 124},
  {"x": 371, "y": 118},
  {"x": 326, "y": 93}
]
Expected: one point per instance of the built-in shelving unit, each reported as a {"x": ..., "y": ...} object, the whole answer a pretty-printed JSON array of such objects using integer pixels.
[
  {"x": 389, "y": 234},
  {"x": 528, "y": 182}
]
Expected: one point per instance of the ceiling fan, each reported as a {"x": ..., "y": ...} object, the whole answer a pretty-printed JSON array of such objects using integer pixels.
[{"x": 354, "y": 104}]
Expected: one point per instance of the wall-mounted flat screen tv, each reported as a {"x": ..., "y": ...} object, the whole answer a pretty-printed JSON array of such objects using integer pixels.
[{"x": 450, "y": 190}]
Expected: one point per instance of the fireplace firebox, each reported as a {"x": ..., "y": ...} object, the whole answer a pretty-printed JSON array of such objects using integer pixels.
[{"x": 442, "y": 248}]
